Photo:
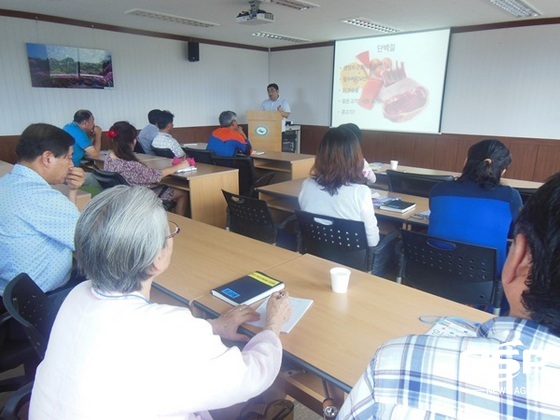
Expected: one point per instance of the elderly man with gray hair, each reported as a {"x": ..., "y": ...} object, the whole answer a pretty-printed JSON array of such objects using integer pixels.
[
  {"x": 229, "y": 139},
  {"x": 113, "y": 354}
]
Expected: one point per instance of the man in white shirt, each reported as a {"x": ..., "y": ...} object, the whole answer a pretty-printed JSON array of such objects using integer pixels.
[
  {"x": 164, "y": 140},
  {"x": 275, "y": 103}
]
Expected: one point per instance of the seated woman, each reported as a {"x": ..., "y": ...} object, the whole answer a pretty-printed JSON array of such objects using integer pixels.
[
  {"x": 114, "y": 354},
  {"x": 337, "y": 186},
  {"x": 122, "y": 159},
  {"x": 368, "y": 173},
  {"x": 476, "y": 208}
]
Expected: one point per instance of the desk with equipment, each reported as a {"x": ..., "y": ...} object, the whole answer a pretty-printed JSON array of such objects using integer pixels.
[{"x": 81, "y": 200}]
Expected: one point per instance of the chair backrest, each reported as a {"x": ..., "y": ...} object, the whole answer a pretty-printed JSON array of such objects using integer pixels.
[
  {"x": 163, "y": 152},
  {"x": 247, "y": 175},
  {"x": 108, "y": 179},
  {"x": 200, "y": 155},
  {"x": 414, "y": 184},
  {"x": 340, "y": 240},
  {"x": 250, "y": 217},
  {"x": 32, "y": 308},
  {"x": 526, "y": 193},
  {"x": 138, "y": 148},
  {"x": 458, "y": 271}
]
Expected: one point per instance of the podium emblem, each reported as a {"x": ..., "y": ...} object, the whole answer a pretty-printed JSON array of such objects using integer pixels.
[{"x": 261, "y": 130}]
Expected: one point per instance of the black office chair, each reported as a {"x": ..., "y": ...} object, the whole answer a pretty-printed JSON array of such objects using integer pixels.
[
  {"x": 138, "y": 148},
  {"x": 200, "y": 155},
  {"x": 458, "y": 271},
  {"x": 109, "y": 179},
  {"x": 163, "y": 152},
  {"x": 526, "y": 193},
  {"x": 35, "y": 312},
  {"x": 32, "y": 308},
  {"x": 414, "y": 184},
  {"x": 251, "y": 217},
  {"x": 248, "y": 179},
  {"x": 345, "y": 242}
]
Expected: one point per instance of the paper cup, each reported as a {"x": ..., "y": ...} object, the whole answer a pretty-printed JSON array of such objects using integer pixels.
[
  {"x": 394, "y": 165},
  {"x": 340, "y": 277}
]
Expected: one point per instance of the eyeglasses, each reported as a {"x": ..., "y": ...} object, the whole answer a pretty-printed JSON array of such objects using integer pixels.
[{"x": 174, "y": 229}]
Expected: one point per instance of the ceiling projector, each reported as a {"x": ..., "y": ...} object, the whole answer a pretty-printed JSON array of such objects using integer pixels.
[{"x": 255, "y": 16}]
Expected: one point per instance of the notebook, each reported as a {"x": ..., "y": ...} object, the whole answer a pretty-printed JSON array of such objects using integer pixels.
[
  {"x": 398, "y": 206},
  {"x": 248, "y": 289}
]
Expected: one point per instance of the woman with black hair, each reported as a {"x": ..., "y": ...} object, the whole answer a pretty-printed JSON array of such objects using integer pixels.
[{"x": 476, "y": 208}]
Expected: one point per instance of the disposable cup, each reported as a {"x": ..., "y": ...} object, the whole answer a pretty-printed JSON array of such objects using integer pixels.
[
  {"x": 340, "y": 277},
  {"x": 394, "y": 165}
]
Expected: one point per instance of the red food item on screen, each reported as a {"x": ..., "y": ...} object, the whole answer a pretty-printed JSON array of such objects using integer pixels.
[
  {"x": 364, "y": 58},
  {"x": 405, "y": 105},
  {"x": 369, "y": 93}
]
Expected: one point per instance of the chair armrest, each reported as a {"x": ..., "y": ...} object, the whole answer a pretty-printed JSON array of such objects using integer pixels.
[
  {"x": 264, "y": 179},
  {"x": 284, "y": 223},
  {"x": 386, "y": 241},
  {"x": 16, "y": 401}
]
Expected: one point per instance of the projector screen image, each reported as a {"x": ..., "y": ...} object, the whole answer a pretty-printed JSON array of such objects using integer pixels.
[{"x": 391, "y": 83}]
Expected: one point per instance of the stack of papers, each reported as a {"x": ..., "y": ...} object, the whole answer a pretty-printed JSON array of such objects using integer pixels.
[{"x": 299, "y": 307}]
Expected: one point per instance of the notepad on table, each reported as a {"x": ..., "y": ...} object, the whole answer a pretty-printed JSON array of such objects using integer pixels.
[
  {"x": 189, "y": 169},
  {"x": 398, "y": 206},
  {"x": 248, "y": 289},
  {"x": 256, "y": 153},
  {"x": 299, "y": 307}
]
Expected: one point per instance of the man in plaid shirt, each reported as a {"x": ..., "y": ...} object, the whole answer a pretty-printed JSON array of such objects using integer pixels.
[{"x": 512, "y": 367}]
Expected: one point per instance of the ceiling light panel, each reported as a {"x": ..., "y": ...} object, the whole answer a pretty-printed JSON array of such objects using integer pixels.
[
  {"x": 369, "y": 24},
  {"x": 516, "y": 8},
  {"x": 170, "y": 18},
  {"x": 279, "y": 37},
  {"x": 294, "y": 4}
]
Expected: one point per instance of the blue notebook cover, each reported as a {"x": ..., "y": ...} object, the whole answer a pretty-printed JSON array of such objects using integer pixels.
[{"x": 248, "y": 289}]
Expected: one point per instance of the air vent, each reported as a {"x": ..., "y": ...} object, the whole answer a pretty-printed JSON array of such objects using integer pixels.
[
  {"x": 170, "y": 18},
  {"x": 369, "y": 24},
  {"x": 280, "y": 37}
]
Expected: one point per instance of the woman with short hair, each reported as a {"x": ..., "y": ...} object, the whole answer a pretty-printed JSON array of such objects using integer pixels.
[{"x": 113, "y": 354}]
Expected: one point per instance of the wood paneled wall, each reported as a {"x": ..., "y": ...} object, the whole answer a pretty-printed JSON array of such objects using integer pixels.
[{"x": 533, "y": 159}]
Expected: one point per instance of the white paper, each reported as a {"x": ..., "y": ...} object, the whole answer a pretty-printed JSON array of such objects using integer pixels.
[
  {"x": 453, "y": 327},
  {"x": 299, "y": 307}
]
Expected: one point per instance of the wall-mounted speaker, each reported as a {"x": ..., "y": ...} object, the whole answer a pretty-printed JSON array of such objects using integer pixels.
[{"x": 193, "y": 51}]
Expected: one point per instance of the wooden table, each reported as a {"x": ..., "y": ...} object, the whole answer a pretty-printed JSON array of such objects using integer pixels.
[
  {"x": 205, "y": 256},
  {"x": 382, "y": 175},
  {"x": 204, "y": 186},
  {"x": 82, "y": 198},
  {"x": 284, "y": 197},
  {"x": 287, "y": 166},
  {"x": 338, "y": 335}
]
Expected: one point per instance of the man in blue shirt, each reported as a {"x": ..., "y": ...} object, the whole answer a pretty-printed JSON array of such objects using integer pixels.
[
  {"x": 148, "y": 133},
  {"x": 37, "y": 222}
]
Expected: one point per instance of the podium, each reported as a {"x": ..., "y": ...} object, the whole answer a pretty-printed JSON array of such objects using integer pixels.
[{"x": 265, "y": 130}]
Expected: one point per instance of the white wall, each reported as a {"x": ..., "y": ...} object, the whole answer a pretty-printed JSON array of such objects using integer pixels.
[
  {"x": 499, "y": 82},
  {"x": 148, "y": 72},
  {"x": 305, "y": 81}
]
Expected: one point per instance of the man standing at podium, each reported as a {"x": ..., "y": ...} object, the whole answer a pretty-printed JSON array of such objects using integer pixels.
[{"x": 275, "y": 103}]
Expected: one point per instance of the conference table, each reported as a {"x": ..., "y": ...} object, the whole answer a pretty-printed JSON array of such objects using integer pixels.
[
  {"x": 338, "y": 335},
  {"x": 286, "y": 166},
  {"x": 204, "y": 186},
  {"x": 284, "y": 197},
  {"x": 83, "y": 197},
  {"x": 381, "y": 175}
]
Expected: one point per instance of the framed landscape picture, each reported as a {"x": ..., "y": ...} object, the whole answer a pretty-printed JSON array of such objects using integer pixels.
[{"x": 57, "y": 66}]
